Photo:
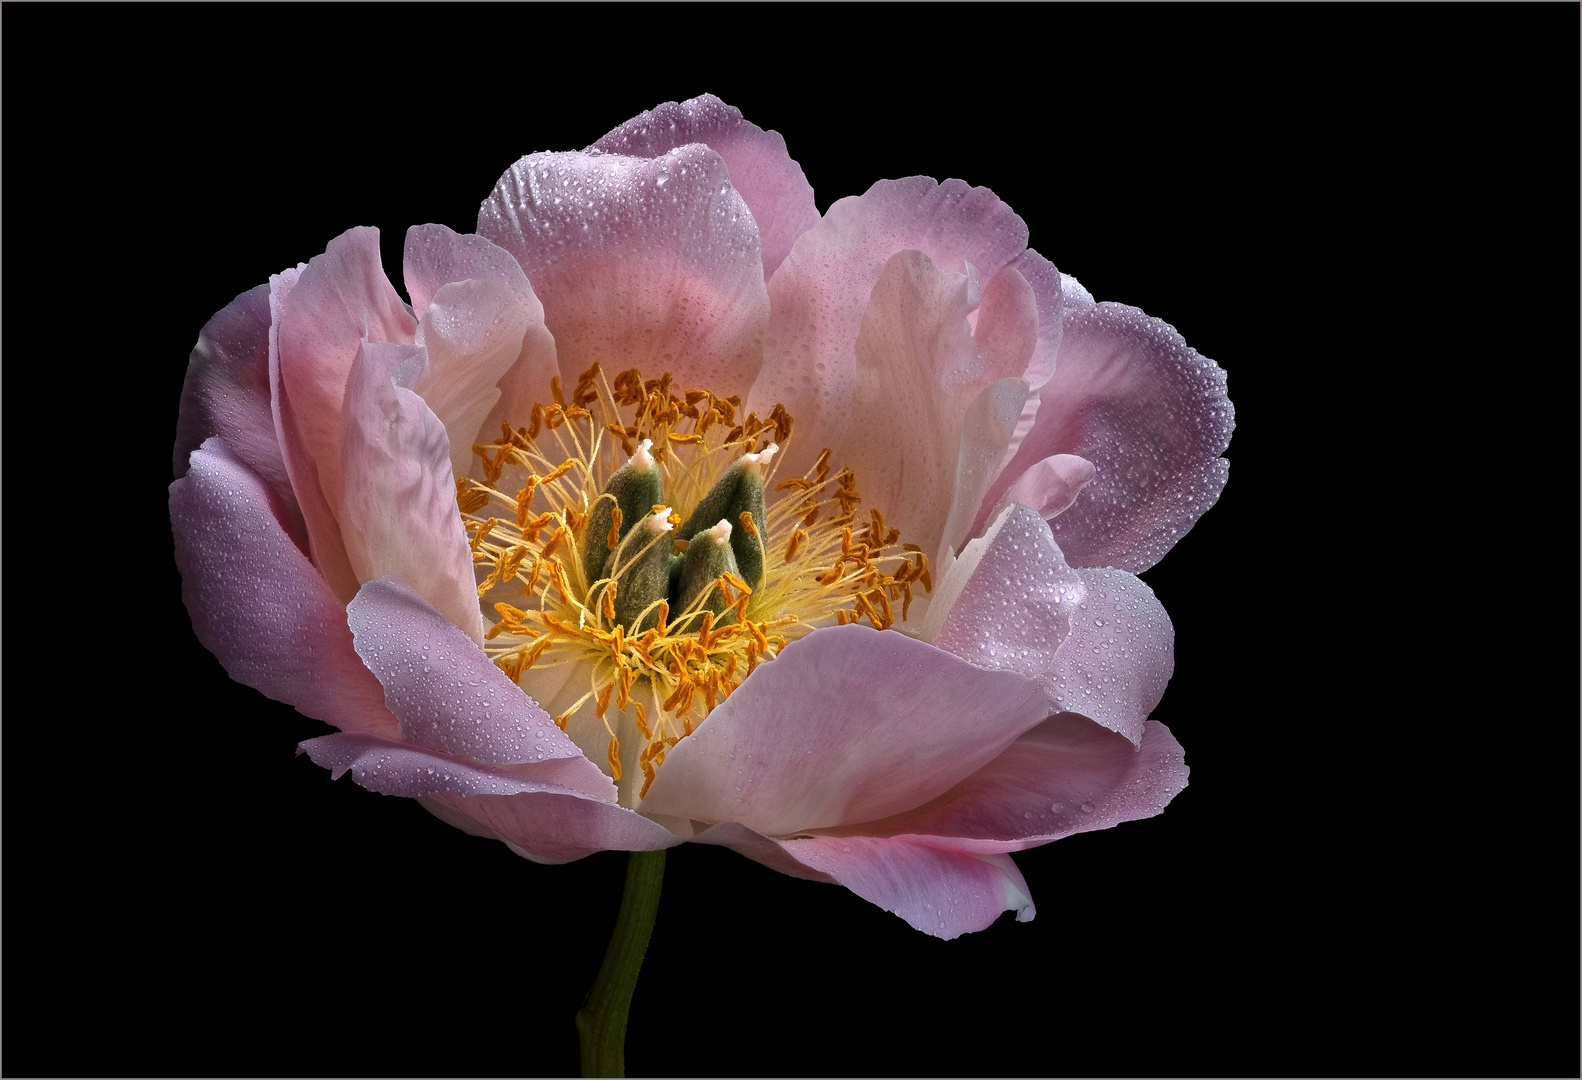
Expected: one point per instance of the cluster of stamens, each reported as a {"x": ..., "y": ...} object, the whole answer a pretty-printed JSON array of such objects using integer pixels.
[{"x": 670, "y": 663}]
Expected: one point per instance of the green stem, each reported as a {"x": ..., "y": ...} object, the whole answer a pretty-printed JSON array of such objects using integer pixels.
[{"x": 601, "y": 1023}]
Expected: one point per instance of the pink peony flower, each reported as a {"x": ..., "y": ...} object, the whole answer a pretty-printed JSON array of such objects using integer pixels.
[{"x": 922, "y": 648}]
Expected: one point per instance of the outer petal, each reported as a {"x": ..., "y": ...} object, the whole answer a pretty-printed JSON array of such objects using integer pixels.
[
  {"x": 1007, "y": 603},
  {"x": 226, "y": 393},
  {"x": 556, "y": 828},
  {"x": 524, "y": 805},
  {"x": 342, "y": 298},
  {"x": 323, "y": 532},
  {"x": 654, "y": 264},
  {"x": 398, "y": 515},
  {"x": 257, "y": 603},
  {"x": 1151, "y": 414},
  {"x": 772, "y": 185},
  {"x": 448, "y": 696},
  {"x": 846, "y": 725},
  {"x": 1118, "y": 657},
  {"x": 1066, "y": 776},
  {"x": 435, "y": 257},
  {"x": 819, "y": 294},
  {"x": 919, "y": 366},
  {"x": 939, "y": 889}
]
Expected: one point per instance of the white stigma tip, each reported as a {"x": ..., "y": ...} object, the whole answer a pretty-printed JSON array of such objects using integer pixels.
[
  {"x": 761, "y": 458},
  {"x": 659, "y": 521},
  {"x": 721, "y": 533},
  {"x": 642, "y": 460}
]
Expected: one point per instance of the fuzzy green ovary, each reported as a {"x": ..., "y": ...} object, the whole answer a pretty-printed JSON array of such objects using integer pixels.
[
  {"x": 643, "y": 576},
  {"x": 636, "y": 488},
  {"x": 741, "y": 488},
  {"x": 708, "y": 557},
  {"x": 659, "y": 572}
]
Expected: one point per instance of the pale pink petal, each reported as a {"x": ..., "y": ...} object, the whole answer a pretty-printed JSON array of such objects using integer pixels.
[
  {"x": 986, "y": 431},
  {"x": 1007, "y": 603},
  {"x": 257, "y": 603},
  {"x": 1151, "y": 414},
  {"x": 1004, "y": 335},
  {"x": 434, "y": 257},
  {"x": 1047, "y": 285},
  {"x": 226, "y": 393},
  {"x": 942, "y": 892},
  {"x": 1049, "y": 486},
  {"x": 554, "y": 828},
  {"x": 919, "y": 372},
  {"x": 819, "y": 293},
  {"x": 473, "y": 333},
  {"x": 772, "y": 185},
  {"x": 940, "y": 889},
  {"x": 1067, "y": 775},
  {"x": 1005, "y": 327},
  {"x": 759, "y": 848},
  {"x": 448, "y": 695},
  {"x": 846, "y": 725},
  {"x": 341, "y": 298},
  {"x": 389, "y": 766},
  {"x": 398, "y": 516},
  {"x": 1118, "y": 656},
  {"x": 324, "y": 544},
  {"x": 528, "y": 806},
  {"x": 641, "y": 263}
]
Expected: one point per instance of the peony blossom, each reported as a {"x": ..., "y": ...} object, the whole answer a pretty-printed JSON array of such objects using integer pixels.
[{"x": 912, "y": 642}]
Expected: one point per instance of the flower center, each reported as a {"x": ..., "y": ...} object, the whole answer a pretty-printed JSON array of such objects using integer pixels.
[{"x": 646, "y": 538}]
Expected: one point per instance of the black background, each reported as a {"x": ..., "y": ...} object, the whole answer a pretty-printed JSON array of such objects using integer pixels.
[{"x": 1373, "y": 870}]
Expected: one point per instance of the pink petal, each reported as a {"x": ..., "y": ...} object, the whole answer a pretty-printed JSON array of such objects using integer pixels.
[
  {"x": 1048, "y": 487},
  {"x": 1066, "y": 776},
  {"x": 939, "y": 889},
  {"x": 759, "y": 848},
  {"x": 653, "y": 264},
  {"x": 919, "y": 371},
  {"x": 1048, "y": 289},
  {"x": 342, "y": 297},
  {"x": 772, "y": 185},
  {"x": 448, "y": 695},
  {"x": 528, "y": 806},
  {"x": 398, "y": 516},
  {"x": 819, "y": 293},
  {"x": 1151, "y": 414},
  {"x": 986, "y": 432},
  {"x": 473, "y": 334},
  {"x": 553, "y": 828},
  {"x": 1118, "y": 657},
  {"x": 435, "y": 256},
  {"x": 941, "y": 892},
  {"x": 257, "y": 603},
  {"x": 324, "y": 544},
  {"x": 846, "y": 725},
  {"x": 226, "y": 393},
  {"x": 391, "y": 767},
  {"x": 1007, "y": 603}
]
